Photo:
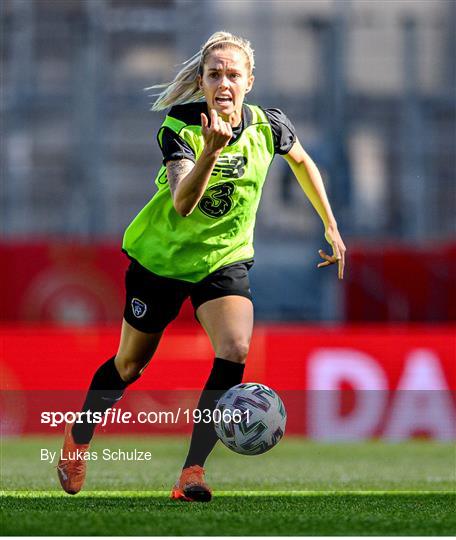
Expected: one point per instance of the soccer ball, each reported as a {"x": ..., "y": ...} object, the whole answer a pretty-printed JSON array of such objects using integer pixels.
[{"x": 250, "y": 418}]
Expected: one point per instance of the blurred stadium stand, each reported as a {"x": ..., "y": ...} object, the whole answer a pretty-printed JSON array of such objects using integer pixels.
[{"x": 370, "y": 86}]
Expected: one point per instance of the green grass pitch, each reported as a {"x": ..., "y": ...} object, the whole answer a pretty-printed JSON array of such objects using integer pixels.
[{"x": 299, "y": 488}]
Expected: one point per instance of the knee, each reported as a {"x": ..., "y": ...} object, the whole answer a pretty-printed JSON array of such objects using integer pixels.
[
  {"x": 235, "y": 350},
  {"x": 130, "y": 369}
]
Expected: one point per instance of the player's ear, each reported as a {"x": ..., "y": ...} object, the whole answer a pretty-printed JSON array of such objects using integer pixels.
[
  {"x": 250, "y": 83},
  {"x": 199, "y": 80}
]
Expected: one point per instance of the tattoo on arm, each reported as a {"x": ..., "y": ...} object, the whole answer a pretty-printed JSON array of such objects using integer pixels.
[{"x": 176, "y": 171}]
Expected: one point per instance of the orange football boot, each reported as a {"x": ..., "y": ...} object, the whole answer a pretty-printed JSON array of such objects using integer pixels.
[
  {"x": 71, "y": 468},
  {"x": 191, "y": 486}
]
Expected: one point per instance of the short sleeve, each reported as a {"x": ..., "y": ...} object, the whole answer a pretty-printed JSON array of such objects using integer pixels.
[
  {"x": 174, "y": 147},
  {"x": 282, "y": 129}
]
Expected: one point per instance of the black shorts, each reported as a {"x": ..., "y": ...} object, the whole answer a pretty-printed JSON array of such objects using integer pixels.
[{"x": 153, "y": 301}]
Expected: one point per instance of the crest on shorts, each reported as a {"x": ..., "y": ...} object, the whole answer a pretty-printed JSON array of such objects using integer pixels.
[{"x": 139, "y": 308}]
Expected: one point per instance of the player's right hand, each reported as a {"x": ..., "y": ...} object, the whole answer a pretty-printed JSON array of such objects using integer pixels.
[{"x": 218, "y": 134}]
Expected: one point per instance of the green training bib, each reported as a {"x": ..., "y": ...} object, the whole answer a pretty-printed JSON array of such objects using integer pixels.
[{"x": 219, "y": 231}]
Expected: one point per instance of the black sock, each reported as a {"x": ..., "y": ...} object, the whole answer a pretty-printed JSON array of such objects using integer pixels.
[
  {"x": 105, "y": 390},
  {"x": 223, "y": 376}
]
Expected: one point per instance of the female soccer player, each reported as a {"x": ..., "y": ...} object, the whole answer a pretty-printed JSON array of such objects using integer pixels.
[{"x": 194, "y": 239}]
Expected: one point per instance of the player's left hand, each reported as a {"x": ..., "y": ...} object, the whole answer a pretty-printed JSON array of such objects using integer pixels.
[{"x": 334, "y": 239}]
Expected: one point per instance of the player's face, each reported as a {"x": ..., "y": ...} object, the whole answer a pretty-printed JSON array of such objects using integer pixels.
[{"x": 225, "y": 81}]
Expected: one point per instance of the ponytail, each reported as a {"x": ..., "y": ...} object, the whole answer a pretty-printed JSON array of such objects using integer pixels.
[{"x": 184, "y": 88}]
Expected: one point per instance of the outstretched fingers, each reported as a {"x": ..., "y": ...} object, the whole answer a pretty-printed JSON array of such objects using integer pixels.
[
  {"x": 204, "y": 121},
  {"x": 338, "y": 257},
  {"x": 216, "y": 135},
  {"x": 329, "y": 259},
  {"x": 341, "y": 266},
  {"x": 214, "y": 119}
]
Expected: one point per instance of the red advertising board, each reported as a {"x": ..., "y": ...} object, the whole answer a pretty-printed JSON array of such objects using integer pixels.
[
  {"x": 72, "y": 282},
  {"x": 401, "y": 283},
  {"x": 64, "y": 283},
  {"x": 350, "y": 382}
]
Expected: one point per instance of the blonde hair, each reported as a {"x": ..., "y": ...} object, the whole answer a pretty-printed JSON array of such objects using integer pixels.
[{"x": 184, "y": 88}]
